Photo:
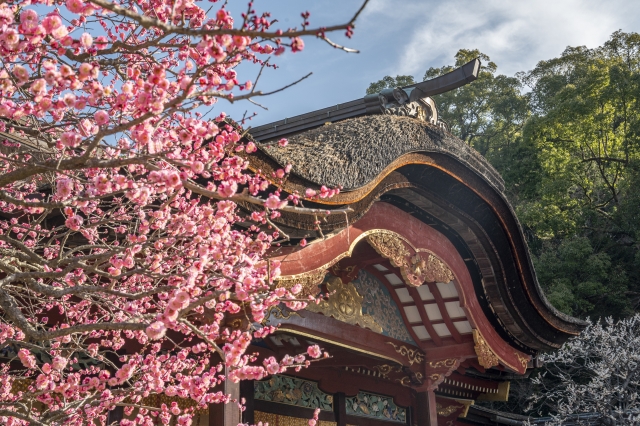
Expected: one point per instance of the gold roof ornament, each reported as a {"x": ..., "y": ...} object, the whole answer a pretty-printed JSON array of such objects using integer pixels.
[
  {"x": 414, "y": 356},
  {"x": 415, "y": 269},
  {"x": 486, "y": 357},
  {"x": 344, "y": 304},
  {"x": 389, "y": 245},
  {"x": 310, "y": 282}
]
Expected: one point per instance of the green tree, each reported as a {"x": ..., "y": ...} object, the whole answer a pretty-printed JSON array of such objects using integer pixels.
[
  {"x": 585, "y": 129},
  {"x": 489, "y": 115},
  {"x": 388, "y": 82},
  {"x": 581, "y": 281}
]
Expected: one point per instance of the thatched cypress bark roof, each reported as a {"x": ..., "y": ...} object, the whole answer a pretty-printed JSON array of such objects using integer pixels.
[{"x": 353, "y": 152}]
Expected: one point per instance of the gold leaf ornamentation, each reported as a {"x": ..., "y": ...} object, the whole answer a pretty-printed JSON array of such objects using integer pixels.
[
  {"x": 405, "y": 381},
  {"x": 486, "y": 357},
  {"x": 415, "y": 269},
  {"x": 309, "y": 282},
  {"x": 413, "y": 355},
  {"x": 236, "y": 323},
  {"x": 419, "y": 270},
  {"x": 390, "y": 246},
  {"x": 345, "y": 304},
  {"x": 278, "y": 312},
  {"x": 445, "y": 363},
  {"x": 436, "y": 271},
  {"x": 385, "y": 369},
  {"x": 524, "y": 360},
  {"x": 448, "y": 410},
  {"x": 435, "y": 380}
]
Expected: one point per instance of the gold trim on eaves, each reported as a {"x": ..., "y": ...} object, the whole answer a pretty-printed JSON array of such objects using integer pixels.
[
  {"x": 284, "y": 329},
  {"x": 280, "y": 420}
]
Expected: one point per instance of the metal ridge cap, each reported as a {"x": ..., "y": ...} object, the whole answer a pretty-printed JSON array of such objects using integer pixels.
[
  {"x": 372, "y": 103},
  {"x": 355, "y": 105}
]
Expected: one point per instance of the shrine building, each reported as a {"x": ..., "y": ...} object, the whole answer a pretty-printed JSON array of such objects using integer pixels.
[{"x": 433, "y": 302}]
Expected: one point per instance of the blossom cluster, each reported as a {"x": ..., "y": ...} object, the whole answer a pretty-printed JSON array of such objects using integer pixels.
[{"x": 123, "y": 248}]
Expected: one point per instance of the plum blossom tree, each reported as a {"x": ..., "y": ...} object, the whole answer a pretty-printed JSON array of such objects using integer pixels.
[
  {"x": 123, "y": 252},
  {"x": 594, "y": 377}
]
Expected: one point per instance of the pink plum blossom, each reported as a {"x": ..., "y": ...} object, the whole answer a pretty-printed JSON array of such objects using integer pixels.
[
  {"x": 86, "y": 40},
  {"x": 314, "y": 351},
  {"x": 29, "y": 20},
  {"x": 59, "y": 363},
  {"x": 70, "y": 139},
  {"x": 273, "y": 202},
  {"x": 75, "y": 6},
  {"x": 27, "y": 359},
  {"x": 64, "y": 186},
  {"x": 125, "y": 217},
  {"x": 156, "y": 330},
  {"x": 227, "y": 189},
  {"x": 74, "y": 222},
  {"x": 101, "y": 117}
]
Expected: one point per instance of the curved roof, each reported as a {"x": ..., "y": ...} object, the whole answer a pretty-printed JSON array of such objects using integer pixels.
[
  {"x": 429, "y": 173},
  {"x": 391, "y": 147},
  {"x": 354, "y": 152}
]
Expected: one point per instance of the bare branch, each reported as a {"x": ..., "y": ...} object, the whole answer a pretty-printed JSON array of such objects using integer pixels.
[{"x": 148, "y": 22}]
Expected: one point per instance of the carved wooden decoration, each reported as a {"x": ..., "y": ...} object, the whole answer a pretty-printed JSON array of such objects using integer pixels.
[
  {"x": 385, "y": 369},
  {"x": 345, "y": 304},
  {"x": 409, "y": 381},
  {"x": 309, "y": 282},
  {"x": 430, "y": 270},
  {"x": 278, "y": 312},
  {"x": 438, "y": 370},
  {"x": 415, "y": 269},
  {"x": 486, "y": 357},
  {"x": 391, "y": 247},
  {"x": 414, "y": 356},
  {"x": 376, "y": 407},
  {"x": 446, "y": 363},
  {"x": 346, "y": 273},
  {"x": 448, "y": 410},
  {"x": 292, "y": 391},
  {"x": 524, "y": 360}
]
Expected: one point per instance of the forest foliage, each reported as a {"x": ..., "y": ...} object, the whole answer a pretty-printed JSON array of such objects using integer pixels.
[{"x": 566, "y": 138}]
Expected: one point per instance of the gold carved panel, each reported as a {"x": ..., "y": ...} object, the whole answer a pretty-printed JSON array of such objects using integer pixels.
[
  {"x": 417, "y": 269},
  {"x": 414, "y": 356},
  {"x": 280, "y": 420},
  {"x": 486, "y": 357},
  {"x": 448, "y": 410},
  {"x": 344, "y": 304},
  {"x": 309, "y": 281}
]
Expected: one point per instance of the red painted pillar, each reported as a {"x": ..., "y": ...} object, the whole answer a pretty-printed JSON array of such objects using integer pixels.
[{"x": 426, "y": 413}]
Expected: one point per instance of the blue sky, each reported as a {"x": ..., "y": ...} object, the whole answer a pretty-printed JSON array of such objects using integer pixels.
[{"x": 409, "y": 36}]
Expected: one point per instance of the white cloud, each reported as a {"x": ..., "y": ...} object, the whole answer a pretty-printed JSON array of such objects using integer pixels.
[{"x": 515, "y": 34}]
